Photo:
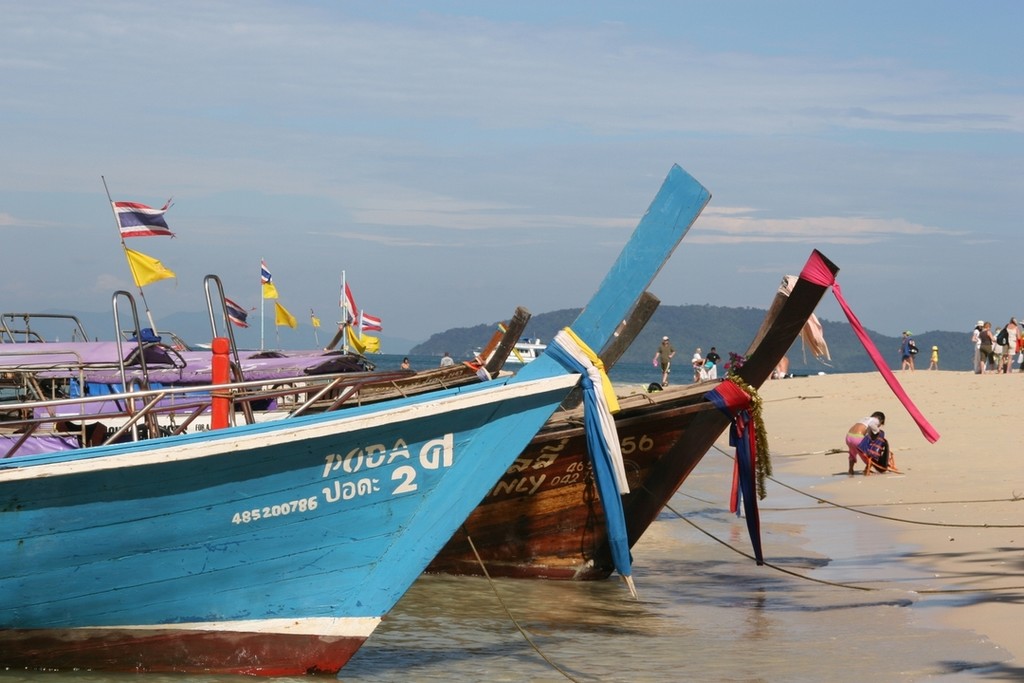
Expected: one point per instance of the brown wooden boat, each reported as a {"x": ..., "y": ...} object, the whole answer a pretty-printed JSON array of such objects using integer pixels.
[
  {"x": 544, "y": 518},
  {"x": 487, "y": 365}
]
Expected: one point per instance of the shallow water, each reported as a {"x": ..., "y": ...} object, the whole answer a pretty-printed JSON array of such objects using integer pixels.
[{"x": 706, "y": 613}]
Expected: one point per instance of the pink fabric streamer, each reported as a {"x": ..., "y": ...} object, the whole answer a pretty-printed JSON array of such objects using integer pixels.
[{"x": 817, "y": 272}]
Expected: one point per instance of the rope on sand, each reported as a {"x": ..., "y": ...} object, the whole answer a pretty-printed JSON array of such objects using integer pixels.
[
  {"x": 792, "y": 398},
  {"x": 859, "y": 510},
  {"x": 836, "y": 584}
]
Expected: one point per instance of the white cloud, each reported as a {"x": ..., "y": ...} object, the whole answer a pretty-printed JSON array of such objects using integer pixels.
[{"x": 743, "y": 225}]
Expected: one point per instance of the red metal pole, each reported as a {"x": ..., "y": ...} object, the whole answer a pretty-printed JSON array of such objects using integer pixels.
[{"x": 221, "y": 369}]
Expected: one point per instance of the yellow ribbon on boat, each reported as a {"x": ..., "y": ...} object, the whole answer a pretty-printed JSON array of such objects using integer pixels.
[{"x": 606, "y": 383}]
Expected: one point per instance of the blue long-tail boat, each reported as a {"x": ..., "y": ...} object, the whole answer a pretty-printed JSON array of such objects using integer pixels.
[{"x": 276, "y": 548}]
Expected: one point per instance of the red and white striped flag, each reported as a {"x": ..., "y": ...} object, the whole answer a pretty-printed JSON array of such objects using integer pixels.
[{"x": 368, "y": 323}]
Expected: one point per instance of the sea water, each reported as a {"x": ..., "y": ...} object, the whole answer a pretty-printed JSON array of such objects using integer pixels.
[{"x": 705, "y": 612}]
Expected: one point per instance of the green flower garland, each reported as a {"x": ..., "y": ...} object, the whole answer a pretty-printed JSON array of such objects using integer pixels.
[{"x": 763, "y": 462}]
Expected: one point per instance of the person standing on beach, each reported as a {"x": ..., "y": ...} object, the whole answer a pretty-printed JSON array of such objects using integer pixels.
[
  {"x": 908, "y": 347},
  {"x": 663, "y": 357},
  {"x": 1020, "y": 352},
  {"x": 934, "y": 365},
  {"x": 1009, "y": 345},
  {"x": 976, "y": 342},
  {"x": 855, "y": 439},
  {"x": 698, "y": 366},
  {"x": 711, "y": 363},
  {"x": 985, "y": 355}
]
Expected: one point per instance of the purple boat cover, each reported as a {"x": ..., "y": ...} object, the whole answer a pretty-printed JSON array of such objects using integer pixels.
[{"x": 36, "y": 444}]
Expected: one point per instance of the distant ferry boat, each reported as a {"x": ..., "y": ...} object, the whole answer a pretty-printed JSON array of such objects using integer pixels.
[{"x": 526, "y": 350}]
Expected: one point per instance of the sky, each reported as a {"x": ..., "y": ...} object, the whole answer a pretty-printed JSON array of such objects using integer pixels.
[{"x": 458, "y": 159}]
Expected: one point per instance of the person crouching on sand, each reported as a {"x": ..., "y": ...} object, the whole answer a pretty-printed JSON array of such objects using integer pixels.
[{"x": 855, "y": 437}]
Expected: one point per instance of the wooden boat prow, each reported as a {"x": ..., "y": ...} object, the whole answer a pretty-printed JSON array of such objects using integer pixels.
[{"x": 544, "y": 519}]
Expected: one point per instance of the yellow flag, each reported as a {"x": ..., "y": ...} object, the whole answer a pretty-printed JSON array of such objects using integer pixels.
[
  {"x": 353, "y": 340},
  {"x": 316, "y": 320},
  {"x": 370, "y": 344},
  {"x": 283, "y": 317},
  {"x": 269, "y": 291},
  {"x": 146, "y": 269}
]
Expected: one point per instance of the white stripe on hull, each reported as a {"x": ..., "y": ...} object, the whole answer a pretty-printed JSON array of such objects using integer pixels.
[
  {"x": 347, "y": 627},
  {"x": 278, "y": 432}
]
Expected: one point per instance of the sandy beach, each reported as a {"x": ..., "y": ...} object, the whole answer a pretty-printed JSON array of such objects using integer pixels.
[{"x": 957, "y": 503}]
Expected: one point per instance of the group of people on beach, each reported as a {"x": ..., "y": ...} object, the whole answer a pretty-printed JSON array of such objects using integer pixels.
[
  {"x": 908, "y": 351},
  {"x": 995, "y": 352},
  {"x": 705, "y": 367}
]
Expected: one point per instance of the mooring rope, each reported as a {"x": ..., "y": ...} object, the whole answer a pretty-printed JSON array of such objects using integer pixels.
[
  {"x": 851, "y": 586},
  {"x": 949, "y": 525},
  {"x": 508, "y": 612},
  {"x": 783, "y": 570}
]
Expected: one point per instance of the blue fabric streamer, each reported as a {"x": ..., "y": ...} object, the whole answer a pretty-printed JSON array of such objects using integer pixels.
[
  {"x": 740, "y": 433},
  {"x": 614, "y": 516}
]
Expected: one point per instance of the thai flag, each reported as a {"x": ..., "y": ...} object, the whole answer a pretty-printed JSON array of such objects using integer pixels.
[
  {"x": 348, "y": 305},
  {"x": 265, "y": 276},
  {"x": 236, "y": 314},
  {"x": 368, "y": 323},
  {"x": 139, "y": 220}
]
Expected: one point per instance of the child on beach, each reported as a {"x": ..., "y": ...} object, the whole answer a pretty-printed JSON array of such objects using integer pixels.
[
  {"x": 934, "y": 365},
  {"x": 879, "y": 456},
  {"x": 859, "y": 436}
]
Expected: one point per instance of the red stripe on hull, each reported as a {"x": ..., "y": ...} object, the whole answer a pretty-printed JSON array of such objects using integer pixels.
[{"x": 195, "y": 652}]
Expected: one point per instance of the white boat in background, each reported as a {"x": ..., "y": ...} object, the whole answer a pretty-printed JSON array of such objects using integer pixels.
[{"x": 526, "y": 350}]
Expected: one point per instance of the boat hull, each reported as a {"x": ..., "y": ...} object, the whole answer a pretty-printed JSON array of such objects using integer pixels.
[
  {"x": 544, "y": 518},
  {"x": 293, "y": 537},
  {"x": 192, "y": 651}
]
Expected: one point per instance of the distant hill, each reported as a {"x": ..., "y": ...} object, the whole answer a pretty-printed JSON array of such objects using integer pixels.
[{"x": 727, "y": 329}]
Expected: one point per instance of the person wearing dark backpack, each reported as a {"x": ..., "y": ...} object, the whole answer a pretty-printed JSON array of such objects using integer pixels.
[
  {"x": 1007, "y": 338},
  {"x": 908, "y": 349}
]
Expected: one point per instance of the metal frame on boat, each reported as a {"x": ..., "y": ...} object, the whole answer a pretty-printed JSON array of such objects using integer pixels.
[{"x": 279, "y": 384}]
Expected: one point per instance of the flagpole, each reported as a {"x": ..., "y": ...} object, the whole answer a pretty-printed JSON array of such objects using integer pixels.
[
  {"x": 316, "y": 337},
  {"x": 261, "y": 303},
  {"x": 344, "y": 314},
  {"x": 131, "y": 264}
]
